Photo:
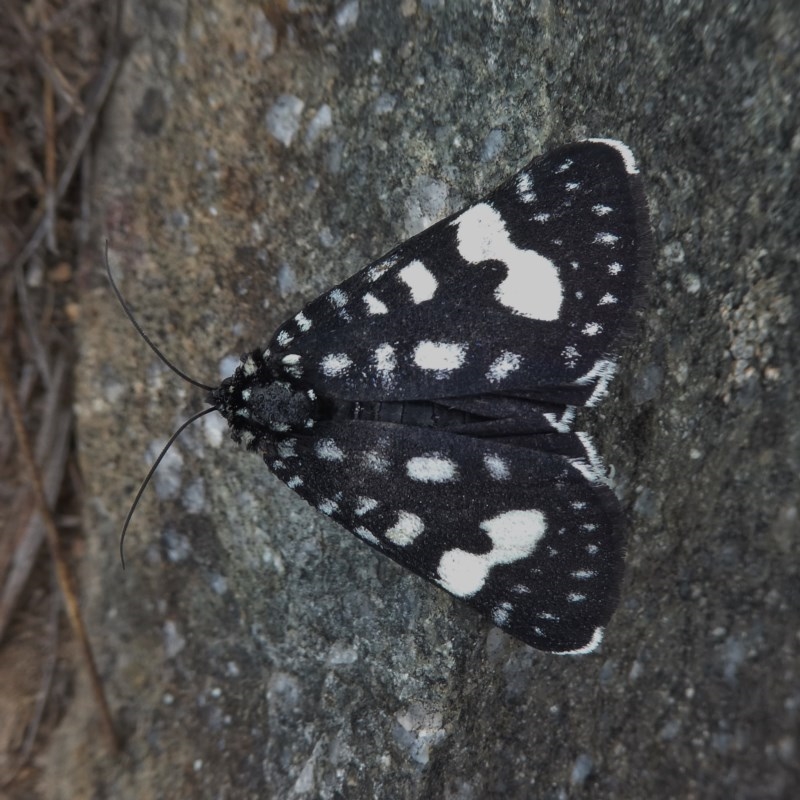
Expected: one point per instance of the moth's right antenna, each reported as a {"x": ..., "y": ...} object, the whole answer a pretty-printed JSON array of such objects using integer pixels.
[{"x": 152, "y": 471}]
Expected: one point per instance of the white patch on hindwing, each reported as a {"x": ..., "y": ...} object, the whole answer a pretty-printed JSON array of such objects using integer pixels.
[
  {"x": 385, "y": 360},
  {"x": 367, "y": 536},
  {"x": 440, "y": 357},
  {"x": 532, "y": 287},
  {"x": 328, "y": 507},
  {"x": 407, "y": 528},
  {"x": 375, "y": 462},
  {"x": 328, "y": 450},
  {"x": 365, "y": 505},
  {"x": 335, "y": 364},
  {"x": 503, "y": 366},
  {"x": 514, "y": 536},
  {"x": 431, "y": 468},
  {"x": 496, "y": 466}
]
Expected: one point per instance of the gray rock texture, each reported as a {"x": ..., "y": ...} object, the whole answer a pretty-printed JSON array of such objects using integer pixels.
[{"x": 255, "y": 154}]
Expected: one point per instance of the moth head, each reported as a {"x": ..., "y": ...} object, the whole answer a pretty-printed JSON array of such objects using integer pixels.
[{"x": 258, "y": 403}]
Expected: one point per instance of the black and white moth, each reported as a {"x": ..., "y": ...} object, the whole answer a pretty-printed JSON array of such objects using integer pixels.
[{"x": 426, "y": 403}]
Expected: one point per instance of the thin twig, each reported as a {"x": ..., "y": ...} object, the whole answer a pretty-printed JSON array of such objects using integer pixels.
[
  {"x": 46, "y": 67},
  {"x": 52, "y": 450},
  {"x": 109, "y": 73},
  {"x": 43, "y": 694},
  {"x": 62, "y": 571}
]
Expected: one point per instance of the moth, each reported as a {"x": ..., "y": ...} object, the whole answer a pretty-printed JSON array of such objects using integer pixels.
[{"x": 427, "y": 403}]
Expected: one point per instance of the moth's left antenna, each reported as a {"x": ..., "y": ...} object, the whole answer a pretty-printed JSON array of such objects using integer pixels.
[{"x": 129, "y": 315}]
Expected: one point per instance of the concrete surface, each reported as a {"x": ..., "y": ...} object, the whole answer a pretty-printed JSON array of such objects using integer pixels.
[{"x": 253, "y": 649}]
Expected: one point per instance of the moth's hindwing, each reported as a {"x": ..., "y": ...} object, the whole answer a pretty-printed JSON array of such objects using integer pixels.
[
  {"x": 521, "y": 534},
  {"x": 427, "y": 402}
]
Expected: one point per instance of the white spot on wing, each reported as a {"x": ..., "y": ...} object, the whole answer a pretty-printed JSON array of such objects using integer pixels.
[
  {"x": 335, "y": 364},
  {"x": 571, "y": 355},
  {"x": 385, "y": 361},
  {"x": 592, "y": 329},
  {"x": 249, "y": 366},
  {"x": 294, "y": 481},
  {"x": 606, "y": 238},
  {"x": 514, "y": 535},
  {"x": 614, "y": 268},
  {"x": 502, "y": 366},
  {"x": 284, "y": 338},
  {"x": 439, "y": 356},
  {"x": 328, "y": 507},
  {"x": 532, "y": 287},
  {"x": 419, "y": 280},
  {"x": 303, "y": 322},
  {"x": 407, "y": 528},
  {"x": 286, "y": 448},
  {"x": 432, "y": 468},
  {"x": 337, "y": 298},
  {"x": 365, "y": 505},
  {"x": 328, "y": 450},
  {"x": 601, "y": 210},
  {"x": 380, "y": 268},
  {"x": 375, "y": 462},
  {"x": 525, "y": 188},
  {"x": 367, "y": 536},
  {"x": 583, "y": 574},
  {"x": 607, "y": 299},
  {"x": 501, "y": 614},
  {"x": 496, "y": 466},
  {"x": 374, "y": 306}
]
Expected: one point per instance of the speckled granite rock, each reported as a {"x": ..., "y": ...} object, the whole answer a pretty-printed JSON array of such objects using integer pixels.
[{"x": 252, "y": 649}]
